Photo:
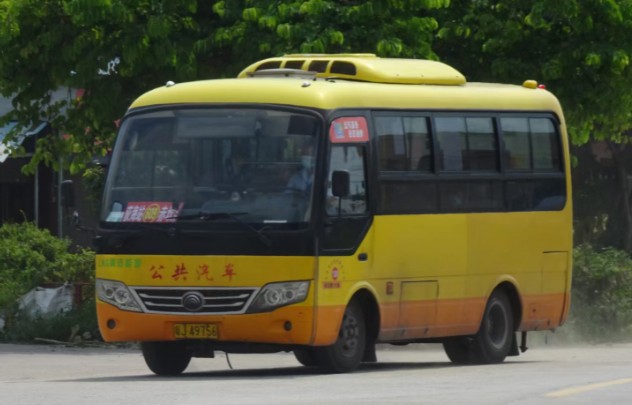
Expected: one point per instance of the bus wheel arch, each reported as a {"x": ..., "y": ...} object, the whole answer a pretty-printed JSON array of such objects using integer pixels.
[
  {"x": 356, "y": 338},
  {"x": 514, "y": 300},
  {"x": 372, "y": 320},
  {"x": 495, "y": 337}
]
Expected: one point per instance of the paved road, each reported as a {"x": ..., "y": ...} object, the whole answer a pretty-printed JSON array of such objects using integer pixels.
[{"x": 416, "y": 374}]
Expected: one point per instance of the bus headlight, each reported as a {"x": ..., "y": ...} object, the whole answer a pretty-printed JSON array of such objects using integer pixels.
[
  {"x": 117, "y": 294},
  {"x": 277, "y": 295}
]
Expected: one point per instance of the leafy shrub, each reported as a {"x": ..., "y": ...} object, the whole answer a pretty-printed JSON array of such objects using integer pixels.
[
  {"x": 601, "y": 307},
  {"x": 30, "y": 257}
]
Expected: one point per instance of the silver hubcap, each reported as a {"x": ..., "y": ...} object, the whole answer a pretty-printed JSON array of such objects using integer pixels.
[
  {"x": 496, "y": 325},
  {"x": 348, "y": 336}
]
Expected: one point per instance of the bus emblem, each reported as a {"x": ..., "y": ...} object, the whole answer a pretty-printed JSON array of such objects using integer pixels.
[
  {"x": 334, "y": 273},
  {"x": 193, "y": 301}
]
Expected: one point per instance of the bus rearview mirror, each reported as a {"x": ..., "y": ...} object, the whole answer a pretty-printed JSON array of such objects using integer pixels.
[{"x": 340, "y": 183}]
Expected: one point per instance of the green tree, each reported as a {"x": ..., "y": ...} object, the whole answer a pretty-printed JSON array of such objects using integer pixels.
[
  {"x": 117, "y": 49},
  {"x": 402, "y": 28},
  {"x": 112, "y": 49},
  {"x": 580, "y": 49}
]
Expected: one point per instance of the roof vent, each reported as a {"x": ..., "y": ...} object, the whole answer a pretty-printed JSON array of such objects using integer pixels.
[
  {"x": 319, "y": 66},
  {"x": 343, "y": 68},
  {"x": 366, "y": 68},
  {"x": 303, "y": 74},
  {"x": 294, "y": 64},
  {"x": 269, "y": 65}
]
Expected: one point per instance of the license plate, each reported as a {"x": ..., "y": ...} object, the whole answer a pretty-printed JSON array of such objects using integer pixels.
[{"x": 195, "y": 331}]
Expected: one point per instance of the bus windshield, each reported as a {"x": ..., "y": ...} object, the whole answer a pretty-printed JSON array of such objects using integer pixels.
[{"x": 212, "y": 164}]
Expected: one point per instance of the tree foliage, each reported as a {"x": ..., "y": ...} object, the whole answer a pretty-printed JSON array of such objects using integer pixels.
[
  {"x": 112, "y": 49},
  {"x": 580, "y": 49},
  {"x": 601, "y": 306},
  {"x": 386, "y": 27},
  {"x": 116, "y": 49}
]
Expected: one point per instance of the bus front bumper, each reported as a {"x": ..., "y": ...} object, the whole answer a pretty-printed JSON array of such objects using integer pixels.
[{"x": 292, "y": 325}]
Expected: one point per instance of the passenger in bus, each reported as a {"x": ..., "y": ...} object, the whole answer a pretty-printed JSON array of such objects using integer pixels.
[
  {"x": 302, "y": 180},
  {"x": 235, "y": 168}
]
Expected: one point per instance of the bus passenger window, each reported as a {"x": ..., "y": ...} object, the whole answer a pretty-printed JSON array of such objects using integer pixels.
[
  {"x": 392, "y": 146},
  {"x": 467, "y": 144},
  {"x": 404, "y": 143},
  {"x": 516, "y": 138},
  {"x": 451, "y": 137},
  {"x": 546, "y": 149},
  {"x": 350, "y": 159},
  {"x": 482, "y": 151},
  {"x": 419, "y": 144}
]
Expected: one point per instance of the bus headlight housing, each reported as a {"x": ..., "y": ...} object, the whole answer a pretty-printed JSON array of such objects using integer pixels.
[
  {"x": 117, "y": 294},
  {"x": 276, "y": 295}
]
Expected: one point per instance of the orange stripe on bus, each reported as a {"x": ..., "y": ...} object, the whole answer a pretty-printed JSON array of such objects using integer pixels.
[{"x": 398, "y": 321}]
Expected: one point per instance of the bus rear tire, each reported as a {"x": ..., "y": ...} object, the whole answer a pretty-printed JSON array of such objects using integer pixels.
[
  {"x": 166, "y": 358},
  {"x": 346, "y": 353},
  {"x": 458, "y": 349},
  {"x": 493, "y": 341}
]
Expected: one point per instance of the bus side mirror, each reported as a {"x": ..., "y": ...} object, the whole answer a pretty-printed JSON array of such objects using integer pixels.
[
  {"x": 67, "y": 194},
  {"x": 340, "y": 183}
]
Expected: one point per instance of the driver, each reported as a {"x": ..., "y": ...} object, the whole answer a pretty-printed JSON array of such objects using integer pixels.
[{"x": 303, "y": 179}]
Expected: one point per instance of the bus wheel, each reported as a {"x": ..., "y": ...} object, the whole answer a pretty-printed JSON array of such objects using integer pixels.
[
  {"x": 458, "y": 349},
  {"x": 166, "y": 358},
  {"x": 346, "y": 354},
  {"x": 493, "y": 341},
  {"x": 306, "y": 357}
]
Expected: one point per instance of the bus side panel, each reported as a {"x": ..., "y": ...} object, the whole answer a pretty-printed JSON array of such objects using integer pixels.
[
  {"x": 411, "y": 250},
  {"x": 531, "y": 249},
  {"x": 338, "y": 279},
  {"x": 555, "y": 271}
]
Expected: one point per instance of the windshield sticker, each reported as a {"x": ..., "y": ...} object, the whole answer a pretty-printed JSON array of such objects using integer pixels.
[
  {"x": 349, "y": 129},
  {"x": 151, "y": 212},
  {"x": 115, "y": 216}
]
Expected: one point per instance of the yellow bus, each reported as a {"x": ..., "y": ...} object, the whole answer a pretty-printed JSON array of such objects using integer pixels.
[{"x": 322, "y": 204}]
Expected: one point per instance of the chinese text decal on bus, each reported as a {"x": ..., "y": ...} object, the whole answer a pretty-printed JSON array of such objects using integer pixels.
[{"x": 322, "y": 204}]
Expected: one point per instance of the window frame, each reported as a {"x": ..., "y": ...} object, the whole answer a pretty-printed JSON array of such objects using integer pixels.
[{"x": 501, "y": 179}]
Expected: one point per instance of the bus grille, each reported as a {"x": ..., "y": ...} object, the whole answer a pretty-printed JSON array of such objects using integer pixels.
[{"x": 180, "y": 300}]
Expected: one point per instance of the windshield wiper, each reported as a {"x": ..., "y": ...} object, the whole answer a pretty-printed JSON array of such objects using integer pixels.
[
  {"x": 212, "y": 216},
  {"x": 207, "y": 216}
]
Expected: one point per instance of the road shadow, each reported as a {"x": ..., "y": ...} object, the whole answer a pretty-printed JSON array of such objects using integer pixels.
[{"x": 281, "y": 372}]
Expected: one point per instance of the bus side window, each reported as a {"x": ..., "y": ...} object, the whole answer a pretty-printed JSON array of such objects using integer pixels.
[
  {"x": 404, "y": 143},
  {"x": 451, "y": 136},
  {"x": 517, "y": 143},
  {"x": 348, "y": 158}
]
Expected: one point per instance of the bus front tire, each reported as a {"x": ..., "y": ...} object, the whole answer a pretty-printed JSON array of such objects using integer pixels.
[
  {"x": 346, "y": 353},
  {"x": 166, "y": 358},
  {"x": 306, "y": 357}
]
